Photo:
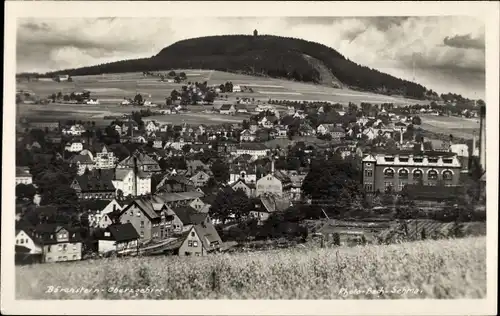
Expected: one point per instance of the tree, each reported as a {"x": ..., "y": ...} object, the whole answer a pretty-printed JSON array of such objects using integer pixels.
[
  {"x": 174, "y": 95},
  {"x": 138, "y": 99},
  {"x": 172, "y": 73},
  {"x": 220, "y": 171},
  {"x": 186, "y": 148},
  {"x": 182, "y": 75},
  {"x": 416, "y": 120},
  {"x": 25, "y": 191}
]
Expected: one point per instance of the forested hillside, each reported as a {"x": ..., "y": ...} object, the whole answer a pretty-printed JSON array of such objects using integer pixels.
[{"x": 266, "y": 55}]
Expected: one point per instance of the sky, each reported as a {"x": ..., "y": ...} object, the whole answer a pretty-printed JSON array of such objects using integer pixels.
[{"x": 443, "y": 53}]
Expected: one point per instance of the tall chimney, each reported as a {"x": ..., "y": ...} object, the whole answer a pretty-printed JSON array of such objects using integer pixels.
[
  {"x": 272, "y": 165},
  {"x": 401, "y": 137}
]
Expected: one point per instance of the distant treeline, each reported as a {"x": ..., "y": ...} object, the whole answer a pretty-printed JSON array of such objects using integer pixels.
[{"x": 266, "y": 55}]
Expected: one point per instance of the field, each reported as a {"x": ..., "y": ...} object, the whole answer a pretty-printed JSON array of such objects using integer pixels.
[
  {"x": 457, "y": 126},
  {"x": 110, "y": 89},
  {"x": 424, "y": 269}
]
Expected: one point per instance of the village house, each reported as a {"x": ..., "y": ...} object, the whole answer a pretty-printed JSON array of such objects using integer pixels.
[
  {"x": 243, "y": 172},
  {"x": 99, "y": 212},
  {"x": 95, "y": 185},
  {"x": 241, "y": 108},
  {"x": 248, "y": 188},
  {"x": 198, "y": 205},
  {"x": 82, "y": 162},
  {"x": 268, "y": 121},
  {"x": 23, "y": 175},
  {"x": 150, "y": 218},
  {"x": 151, "y": 126},
  {"x": 74, "y": 130},
  {"x": 247, "y": 136},
  {"x": 117, "y": 238},
  {"x": 236, "y": 88},
  {"x": 200, "y": 178},
  {"x": 252, "y": 149},
  {"x": 281, "y": 131},
  {"x": 105, "y": 158},
  {"x": 25, "y": 239},
  {"x": 74, "y": 147},
  {"x": 227, "y": 109},
  {"x": 177, "y": 199},
  {"x": 200, "y": 240},
  {"x": 274, "y": 183},
  {"x": 141, "y": 161},
  {"x": 158, "y": 143},
  {"x": 93, "y": 102},
  {"x": 58, "y": 242},
  {"x": 130, "y": 183}
]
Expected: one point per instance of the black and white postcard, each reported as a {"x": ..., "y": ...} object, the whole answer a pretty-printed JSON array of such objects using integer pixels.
[{"x": 245, "y": 158}]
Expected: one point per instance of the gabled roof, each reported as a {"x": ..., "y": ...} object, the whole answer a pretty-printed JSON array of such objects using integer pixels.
[
  {"x": 119, "y": 233},
  {"x": 225, "y": 107},
  {"x": 23, "y": 172},
  {"x": 189, "y": 216},
  {"x": 93, "y": 205},
  {"x": 96, "y": 182},
  {"x": 149, "y": 206},
  {"x": 207, "y": 234}
]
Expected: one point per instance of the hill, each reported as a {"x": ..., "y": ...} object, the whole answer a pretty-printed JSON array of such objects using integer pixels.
[
  {"x": 454, "y": 268},
  {"x": 265, "y": 55}
]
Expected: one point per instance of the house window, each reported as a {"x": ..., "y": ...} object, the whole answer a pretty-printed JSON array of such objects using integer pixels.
[
  {"x": 142, "y": 224},
  {"x": 64, "y": 247},
  {"x": 142, "y": 233},
  {"x": 432, "y": 175},
  {"x": 418, "y": 159},
  {"x": 389, "y": 158},
  {"x": 74, "y": 247},
  {"x": 403, "y": 174},
  {"x": 59, "y": 247},
  {"x": 22, "y": 241},
  {"x": 190, "y": 243},
  {"x": 389, "y": 173},
  {"x": 447, "y": 160},
  {"x": 447, "y": 175},
  {"x": 192, "y": 234},
  {"x": 368, "y": 173},
  {"x": 388, "y": 186},
  {"x": 432, "y": 159},
  {"x": 74, "y": 257},
  {"x": 417, "y": 174},
  {"x": 48, "y": 249},
  {"x": 403, "y": 159},
  {"x": 368, "y": 187}
]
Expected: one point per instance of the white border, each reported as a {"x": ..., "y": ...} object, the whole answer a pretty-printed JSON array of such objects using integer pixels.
[{"x": 488, "y": 11}]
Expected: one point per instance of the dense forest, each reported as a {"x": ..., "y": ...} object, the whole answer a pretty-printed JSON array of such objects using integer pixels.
[{"x": 265, "y": 55}]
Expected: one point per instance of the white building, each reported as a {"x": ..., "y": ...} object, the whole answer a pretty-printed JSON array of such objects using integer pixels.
[
  {"x": 152, "y": 126},
  {"x": 124, "y": 181},
  {"x": 23, "y": 239},
  {"x": 23, "y": 176},
  {"x": 101, "y": 218},
  {"x": 93, "y": 102},
  {"x": 236, "y": 88},
  {"x": 74, "y": 147},
  {"x": 252, "y": 149},
  {"x": 74, "y": 130},
  {"x": 105, "y": 159}
]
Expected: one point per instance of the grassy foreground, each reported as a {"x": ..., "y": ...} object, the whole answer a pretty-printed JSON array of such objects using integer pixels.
[{"x": 426, "y": 269}]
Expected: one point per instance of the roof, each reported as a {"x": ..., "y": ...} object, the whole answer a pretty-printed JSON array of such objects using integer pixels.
[
  {"x": 274, "y": 204},
  {"x": 82, "y": 159},
  {"x": 179, "y": 196},
  {"x": 225, "y": 107},
  {"x": 43, "y": 233},
  {"x": 119, "y": 232},
  {"x": 97, "y": 181},
  {"x": 252, "y": 146},
  {"x": 142, "y": 159},
  {"x": 121, "y": 173},
  {"x": 150, "y": 207},
  {"x": 23, "y": 172},
  {"x": 94, "y": 205},
  {"x": 188, "y": 215},
  {"x": 207, "y": 234}
]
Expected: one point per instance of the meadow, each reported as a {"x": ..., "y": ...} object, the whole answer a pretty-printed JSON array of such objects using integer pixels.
[
  {"x": 457, "y": 126},
  {"x": 423, "y": 269}
]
